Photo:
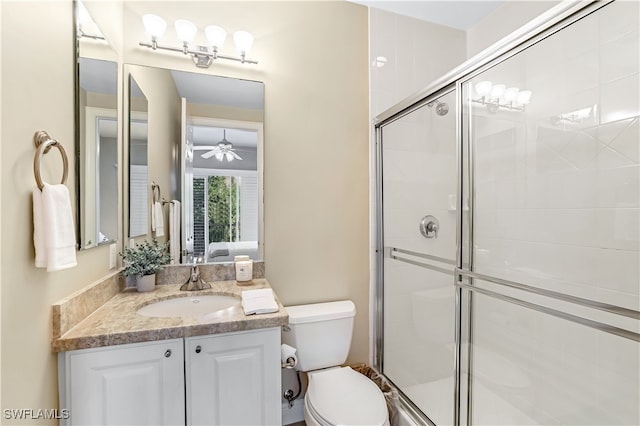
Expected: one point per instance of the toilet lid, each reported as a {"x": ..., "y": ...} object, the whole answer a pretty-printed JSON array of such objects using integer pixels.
[{"x": 342, "y": 396}]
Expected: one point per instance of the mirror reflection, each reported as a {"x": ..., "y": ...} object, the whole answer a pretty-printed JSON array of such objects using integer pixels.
[
  {"x": 225, "y": 190},
  {"x": 216, "y": 165},
  {"x": 97, "y": 130},
  {"x": 138, "y": 161}
]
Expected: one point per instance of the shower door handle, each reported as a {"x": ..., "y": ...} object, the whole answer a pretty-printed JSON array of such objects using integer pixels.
[{"x": 429, "y": 227}]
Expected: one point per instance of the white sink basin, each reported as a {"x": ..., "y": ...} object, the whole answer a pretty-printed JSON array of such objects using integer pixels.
[{"x": 189, "y": 306}]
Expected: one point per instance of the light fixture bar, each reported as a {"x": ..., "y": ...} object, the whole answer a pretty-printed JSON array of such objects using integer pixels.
[
  {"x": 201, "y": 56},
  {"x": 81, "y": 33}
]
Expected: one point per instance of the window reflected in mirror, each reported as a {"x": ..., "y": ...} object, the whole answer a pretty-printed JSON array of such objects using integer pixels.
[
  {"x": 138, "y": 161},
  {"x": 225, "y": 195}
]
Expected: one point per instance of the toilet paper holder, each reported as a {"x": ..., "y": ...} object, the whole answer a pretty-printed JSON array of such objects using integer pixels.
[
  {"x": 289, "y": 362},
  {"x": 288, "y": 356}
]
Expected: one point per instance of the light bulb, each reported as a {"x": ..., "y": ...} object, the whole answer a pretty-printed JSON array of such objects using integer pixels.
[
  {"x": 229, "y": 156},
  {"x": 216, "y": 35},
  {"x": 511, "y": 94},
  {"x": 243, "y": 41},
  {"x": 186, "y": 30},
  {"x": 524, "y": 97},
  {"x": 483, "y": 87},
  {"x": 219, "y": 156},
  {"x": 154, "y": 25},
  {"x": 498, "y": 90}
]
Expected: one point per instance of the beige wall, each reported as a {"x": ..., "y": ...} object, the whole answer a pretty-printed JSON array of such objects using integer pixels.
[
  {"x": 313, "y": 61},
  {"x": 37, "y": 94},
  {"x": 1, "y": 203}
]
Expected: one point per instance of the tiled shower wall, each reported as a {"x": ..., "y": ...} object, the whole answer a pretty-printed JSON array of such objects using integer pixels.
[{"x": 557, "y": 202}]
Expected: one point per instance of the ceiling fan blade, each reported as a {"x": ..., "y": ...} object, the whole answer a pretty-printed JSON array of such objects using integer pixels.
[
  {"x": 236, "y": 156},
  {"x": 209, "y": 154},
  {"x": 204, "y": 147}
]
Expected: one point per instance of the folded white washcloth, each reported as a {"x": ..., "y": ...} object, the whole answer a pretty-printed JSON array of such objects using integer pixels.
[
  {"x": 53, "y": 228},
  {"x": 157, "y": 219},
  {"x": 259, "y": 301}
]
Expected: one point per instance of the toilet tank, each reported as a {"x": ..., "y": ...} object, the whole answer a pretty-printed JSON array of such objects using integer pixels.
[{"x": 321, "y": 333}]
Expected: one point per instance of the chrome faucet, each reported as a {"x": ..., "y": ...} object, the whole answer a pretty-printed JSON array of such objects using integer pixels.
[{"x": 195, "y": 282}]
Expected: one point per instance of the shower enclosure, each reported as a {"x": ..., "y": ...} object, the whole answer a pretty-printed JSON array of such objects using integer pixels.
[{"x": 508, "y": 230}]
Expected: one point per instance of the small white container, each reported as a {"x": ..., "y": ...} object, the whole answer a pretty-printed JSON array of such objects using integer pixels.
[{"x": 244, "y": 268}]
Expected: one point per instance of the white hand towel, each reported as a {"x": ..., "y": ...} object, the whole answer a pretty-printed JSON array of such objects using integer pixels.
[
  {"x": 38, "y": 230},
  {"x": 174, "y": 231},
  {"x": 153, "y": 217},
  {"x": 54, "y": 221},
  {"x": 259, "y": 301},
  {"x": 158, "y": 219}
]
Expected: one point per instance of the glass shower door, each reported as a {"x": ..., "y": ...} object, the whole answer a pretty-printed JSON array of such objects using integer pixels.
[
  {"x": 554, "y": 139},
  {"x": 419, "y": 207}
]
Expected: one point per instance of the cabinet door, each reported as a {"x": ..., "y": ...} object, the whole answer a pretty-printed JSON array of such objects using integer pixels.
[
  {"x": 234, "y": 378},
  {"x": 136, "y": 384}
]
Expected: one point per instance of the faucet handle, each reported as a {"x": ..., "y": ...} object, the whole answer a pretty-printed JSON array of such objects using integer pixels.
[{"x": 195, "y": 272}]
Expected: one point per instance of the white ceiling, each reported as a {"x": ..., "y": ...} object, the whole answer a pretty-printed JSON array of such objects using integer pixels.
[
  {"x": 452, "y": 13},
  {"x": 216, "y": 90},
  {"x": 209, "y": 136}
]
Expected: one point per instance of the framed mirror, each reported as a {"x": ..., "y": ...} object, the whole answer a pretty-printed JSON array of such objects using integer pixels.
[
  {"x": 205, "y": 153},
  {"x": 97, "y": 144},
  {"x": 138, "y": 161}
]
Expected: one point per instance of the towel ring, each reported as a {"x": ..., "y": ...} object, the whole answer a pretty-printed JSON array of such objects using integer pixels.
[
  {"x": 44, "y": 143},
  {"x": 155, "y": 189}
]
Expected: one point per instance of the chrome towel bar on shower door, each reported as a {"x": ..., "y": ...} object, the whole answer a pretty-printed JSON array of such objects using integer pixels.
[
  {"x": 396, "y": 254},
  {"x": 618, "y": 310},
  {"x": 607, "y": 328}
]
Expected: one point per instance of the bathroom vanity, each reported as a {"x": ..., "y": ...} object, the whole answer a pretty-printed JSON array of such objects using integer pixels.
[{"x": 119, "y": 367}]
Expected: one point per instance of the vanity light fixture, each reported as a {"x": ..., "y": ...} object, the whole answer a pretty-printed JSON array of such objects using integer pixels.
[
  {"x": 203, "y": 56},
  {"x": 579, "y": 116},
  {"x": 496, "y": 96}
]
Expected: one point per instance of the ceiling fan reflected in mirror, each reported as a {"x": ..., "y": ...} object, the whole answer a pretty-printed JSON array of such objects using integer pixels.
[{"x": 224, "y": 150}]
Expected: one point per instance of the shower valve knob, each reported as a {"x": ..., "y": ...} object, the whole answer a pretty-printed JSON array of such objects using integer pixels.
[{"x": 429, "y": 227}]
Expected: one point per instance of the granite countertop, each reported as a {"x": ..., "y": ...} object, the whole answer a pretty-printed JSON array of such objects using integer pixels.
[{"x": 117, "y": 322}]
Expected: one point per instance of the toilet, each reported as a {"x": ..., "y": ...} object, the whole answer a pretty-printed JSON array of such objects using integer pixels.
[{"x": 321, "y": 334}]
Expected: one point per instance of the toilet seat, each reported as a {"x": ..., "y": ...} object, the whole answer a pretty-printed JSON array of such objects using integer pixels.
[{"x": 342, "y": 396}]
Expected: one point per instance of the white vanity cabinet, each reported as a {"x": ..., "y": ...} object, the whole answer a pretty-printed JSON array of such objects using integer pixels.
[
  {"x": 229, "y": 379},
  {"x": 234, "y": 378},
  {"x": 134, "y": 384}
]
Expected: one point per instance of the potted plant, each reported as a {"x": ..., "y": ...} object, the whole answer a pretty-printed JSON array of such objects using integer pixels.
[{"x": 143, "y": 261}]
